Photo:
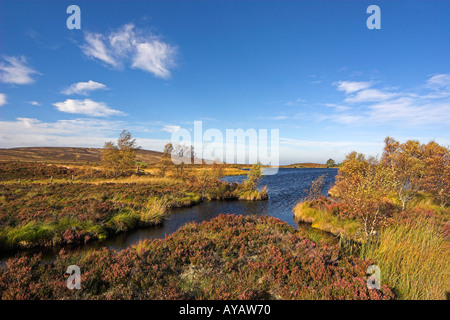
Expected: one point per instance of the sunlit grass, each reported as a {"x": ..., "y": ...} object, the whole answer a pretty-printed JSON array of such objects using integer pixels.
[
  {"x": 414, "y": 258},
  {"x": 326, "y": 221},
  {"x": 155, "y": 210}
]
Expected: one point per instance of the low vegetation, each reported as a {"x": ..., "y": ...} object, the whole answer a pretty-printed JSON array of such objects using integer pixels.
[
  {"x": 229, "y": 257},
  {"x": 48, "y": 214}
]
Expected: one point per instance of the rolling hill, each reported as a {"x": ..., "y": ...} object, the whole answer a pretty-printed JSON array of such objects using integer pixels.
[
  {"x": 92, "y": 155},
  {"x": 67, "y": 154}
]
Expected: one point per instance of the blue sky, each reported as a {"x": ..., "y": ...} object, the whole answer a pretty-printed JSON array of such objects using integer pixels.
[{"x": 311, "y": 69}]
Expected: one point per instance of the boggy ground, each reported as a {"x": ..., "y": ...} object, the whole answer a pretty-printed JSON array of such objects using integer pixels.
[
  {"x": 229, "y": 257},
  {"x": 78, "y": 205}
]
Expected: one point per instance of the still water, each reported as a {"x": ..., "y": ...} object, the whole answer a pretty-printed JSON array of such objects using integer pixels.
[{"x": 285, "y": 189}]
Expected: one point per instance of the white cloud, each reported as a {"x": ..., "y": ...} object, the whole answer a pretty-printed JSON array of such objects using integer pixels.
[
  {"x": 409, "y": 111},
  {"x": 351, "y": 86},
  {"x": 123, "y": 40},
  {"x": 87, "y": 107},
  {"x": 16, "y": 71},
  {"x": 83, "y": 88},
  {"x": 3, "y": 100},
  {"x": 129, "y": 44},
  {"x": 34, "y": 103},
  {"x": 439, "y": 81},
  {"x": 95, "y": 48},
  {"x": 370, "y": 95},
  {"x": 402, "y": 108},
  {"x": 170, "y": 128},
  {"x": 155, "y": 57}
]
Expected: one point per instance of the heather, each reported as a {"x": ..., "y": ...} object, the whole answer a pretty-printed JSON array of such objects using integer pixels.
[
  {"x": 229, "y": 257},
  {"x": 37, "y": 213}
]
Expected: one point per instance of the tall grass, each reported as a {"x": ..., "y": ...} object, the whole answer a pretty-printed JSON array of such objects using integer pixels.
[
  {"x": 414, "y": 258},
  {"x": 154, "y": 211}
]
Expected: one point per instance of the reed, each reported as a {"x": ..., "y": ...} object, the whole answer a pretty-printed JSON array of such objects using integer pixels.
[{"x": 414, "y": 258}]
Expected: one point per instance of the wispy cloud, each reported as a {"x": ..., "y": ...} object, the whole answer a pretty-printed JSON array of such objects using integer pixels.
[
  {"x": 439, "y": 82},
  {"x": 34, "y": 103},
  {"x": 351, "y": 86},
  {"x": 83, "y": 88},
  {"x": 130, "y": 45},
  {"x": 171, "y": 128},
  {"x": 410, "y": 111},
  {"x": 15, "y": 70},
  {"x": 427, "y": 105},
  {"x": 3, "y": 100},
  {"x": 95, "y": 48},
  {"x": 87, "y": 107},
  {"x": 370, "y": 95}
]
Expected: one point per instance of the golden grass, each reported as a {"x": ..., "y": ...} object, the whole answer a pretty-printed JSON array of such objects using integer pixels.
[
  {"x": 155, "y": 180},
  {"x": 414, "y": 259},
  {"x": 155, "y": 210}
]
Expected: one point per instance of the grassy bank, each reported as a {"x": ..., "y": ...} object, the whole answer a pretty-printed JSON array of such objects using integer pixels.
[{"x": 325, "y": 219}]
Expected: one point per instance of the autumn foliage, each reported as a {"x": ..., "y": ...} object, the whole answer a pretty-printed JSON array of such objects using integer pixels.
[{"x": 371, "y": 188}]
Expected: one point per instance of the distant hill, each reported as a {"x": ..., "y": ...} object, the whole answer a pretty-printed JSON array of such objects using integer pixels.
[
  {"x": 83, "y": 155},
  {"x": 305, "y": 165},
  {"x": 67, "y": 154}
]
